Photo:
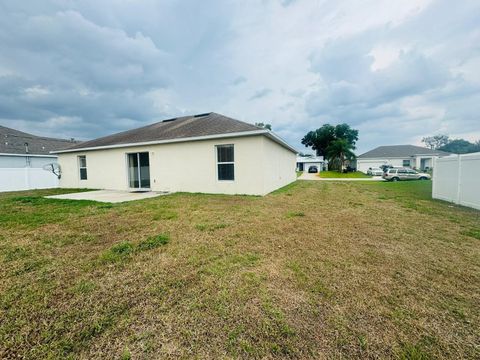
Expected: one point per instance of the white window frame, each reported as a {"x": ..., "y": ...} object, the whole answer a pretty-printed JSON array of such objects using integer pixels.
[
  {"x": 224, "y": 162},
  {"x": 80, "y": 167}
]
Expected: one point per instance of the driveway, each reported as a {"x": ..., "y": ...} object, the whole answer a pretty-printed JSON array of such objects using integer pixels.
[
  {"x": 307, "y": 176},
  {"x": 108, "y": 196}
]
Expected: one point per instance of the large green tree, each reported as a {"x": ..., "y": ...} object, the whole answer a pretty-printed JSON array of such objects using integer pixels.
[
  {"x": 338, "y": 152},
  {"x": 265, "y": 126},
  {"x": 436, "y": 141},
  {"x": 460, "y": 146},
  {"x": 320, "y": 139}
]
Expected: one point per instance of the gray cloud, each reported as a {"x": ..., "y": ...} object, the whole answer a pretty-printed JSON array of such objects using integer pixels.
[
  {"x": 239, "y": 80},
  {"x": 260, "y": 94},
  {"x": 417, "y": 92},
  {"x": 86, "y": 68}
]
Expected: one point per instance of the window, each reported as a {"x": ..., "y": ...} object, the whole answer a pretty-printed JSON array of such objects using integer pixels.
[
  {"x": 225, "y": 162},
  {"x": 406, "y": 163},
  {"x": 82, "y": 165}
]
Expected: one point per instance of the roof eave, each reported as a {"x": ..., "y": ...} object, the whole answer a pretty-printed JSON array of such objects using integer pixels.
[
  {"x": 28, "y": 154},
  {"x": 398, "y": 157}
]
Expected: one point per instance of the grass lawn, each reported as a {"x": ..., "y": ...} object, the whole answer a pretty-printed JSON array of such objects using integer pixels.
[
  {"x": 336, "y": 174},
  {"x": 316, "y": 270}
]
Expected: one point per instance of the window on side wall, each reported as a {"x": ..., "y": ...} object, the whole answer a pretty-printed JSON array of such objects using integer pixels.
[
  {"x": 82, "y": 166},
  {"x": 406, "y": 163},
  {"x": 225, "y": 162}
]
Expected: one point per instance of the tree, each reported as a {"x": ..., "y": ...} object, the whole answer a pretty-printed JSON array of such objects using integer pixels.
[
  {"x": 320, "y": 139},
  {"x": 436, "y": 141},
  {"x": 265, "y": 126},
  {"x": 338, "y": 152},
  {"x": 344, "y": 131},
  {"x": 460, "y": 146}
]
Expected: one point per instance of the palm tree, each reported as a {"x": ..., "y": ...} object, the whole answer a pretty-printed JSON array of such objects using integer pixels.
[{"x": 338, "y": 152}]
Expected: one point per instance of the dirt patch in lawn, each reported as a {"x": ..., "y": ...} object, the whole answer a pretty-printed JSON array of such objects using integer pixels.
[{"x": 315, "y": 270}]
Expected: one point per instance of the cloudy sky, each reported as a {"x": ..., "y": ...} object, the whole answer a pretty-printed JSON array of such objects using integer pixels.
[{"x": 395, "y": 70}]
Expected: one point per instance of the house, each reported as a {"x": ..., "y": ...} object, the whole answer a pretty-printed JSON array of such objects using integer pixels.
[
  {"x": 22, "y": 158},
  {"x": 208, "y": 153},
  {"x": 415, "y": 157},
  {"x": 304, "y": 163}
]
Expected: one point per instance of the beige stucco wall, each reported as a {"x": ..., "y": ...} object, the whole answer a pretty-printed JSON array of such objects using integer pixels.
[
  {"x": 261, "y": 166},
  {"x": 279, "y": 165},
  {"x": 364, "y": 164}
]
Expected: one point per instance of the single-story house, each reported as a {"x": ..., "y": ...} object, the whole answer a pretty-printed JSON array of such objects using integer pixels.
[
  {"x": 208, "y": 153},
  {"x": 415, "y": 157},
  {"x": 304, "y": 163},
  {"x": 23, "y": 157}
]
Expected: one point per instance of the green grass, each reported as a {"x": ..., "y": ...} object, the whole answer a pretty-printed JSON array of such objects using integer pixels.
[
  {"x": 339, "y": 175},
  {"x": 153, "y": 242},
  {"x": 123, "y": 250},
  {"x": 314, "y": 270}
]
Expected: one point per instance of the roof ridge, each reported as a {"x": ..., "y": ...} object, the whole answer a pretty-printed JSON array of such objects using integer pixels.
[
  {"x": 408, "y": 150},
  {"x": 184, "y": 127},
  {"x": 28, "y": 135}
]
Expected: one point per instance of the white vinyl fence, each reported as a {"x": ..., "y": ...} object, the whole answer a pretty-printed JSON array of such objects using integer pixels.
[
  {"x": 456, "y": 179},
  {"x": 15, "y": 179}
]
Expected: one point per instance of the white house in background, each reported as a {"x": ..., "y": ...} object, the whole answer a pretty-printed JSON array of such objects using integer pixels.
[
  {"x": 208, "y": 153},
  {"x": 304, "y": 163},
  {"x": 415, "y": 157},
  {"x": 22, "y": 158}
]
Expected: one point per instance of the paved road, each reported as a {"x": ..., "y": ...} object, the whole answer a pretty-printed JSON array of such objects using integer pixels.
[{"x": 307, "y": 176}]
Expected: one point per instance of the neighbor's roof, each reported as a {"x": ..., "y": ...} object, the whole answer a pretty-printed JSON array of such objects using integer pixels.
[
  {"x": 310, "y": 159},
  {"x": 185, "y": 128},
  {"x": 400, "y": 151},
  {"x": 14, "y": 142}
]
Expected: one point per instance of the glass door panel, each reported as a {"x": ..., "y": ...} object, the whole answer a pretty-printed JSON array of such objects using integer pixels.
[
  {"x": 133, "y": 179},
  {"x": 138, "y": 171},
  {"x": 144, "y": 170}
]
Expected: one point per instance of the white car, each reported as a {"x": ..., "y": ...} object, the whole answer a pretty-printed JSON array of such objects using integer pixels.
[
  {"x": 375, "y": 172},
  {"x": 397, "y": 174}
]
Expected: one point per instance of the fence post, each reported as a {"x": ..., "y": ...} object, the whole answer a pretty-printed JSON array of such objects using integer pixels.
[
  {"x": 434, "y": 164},
  {"x": 459, "y": 177}
]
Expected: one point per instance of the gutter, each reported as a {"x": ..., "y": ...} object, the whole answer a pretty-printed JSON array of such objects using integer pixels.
[
  {"x": 29, "y": 155},
  {"x": 267, "y": 133}
]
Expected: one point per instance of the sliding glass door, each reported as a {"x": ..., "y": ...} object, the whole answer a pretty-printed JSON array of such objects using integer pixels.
[{"x": 139, "y": 171}]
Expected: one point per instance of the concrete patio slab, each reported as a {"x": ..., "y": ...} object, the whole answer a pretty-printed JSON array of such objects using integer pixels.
[
  {"x": 108, "y": 196},
  {"x": 315, "y": 177}
]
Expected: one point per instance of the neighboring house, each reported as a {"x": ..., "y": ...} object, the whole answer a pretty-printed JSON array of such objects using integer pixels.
[
  {"x": 304, "y": 163},
  {"x": 22, "y": 158},
  {"x": 208, "y": 153},
  {"x": 415, "y": 157}
]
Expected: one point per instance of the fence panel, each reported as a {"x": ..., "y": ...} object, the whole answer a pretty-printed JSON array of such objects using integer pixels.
[
  {"x": 456, "y": 179},
  {"x": 16, "y": 179}
]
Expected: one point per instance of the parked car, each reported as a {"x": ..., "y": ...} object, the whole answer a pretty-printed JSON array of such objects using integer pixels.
[
  {"x": 375, "y": 172},
  {"x": 385, "y": 167},
  {"x": 349, "y": 169},
  {"x": 397, "y": 174},
  {"x": 313, "y": 169}
]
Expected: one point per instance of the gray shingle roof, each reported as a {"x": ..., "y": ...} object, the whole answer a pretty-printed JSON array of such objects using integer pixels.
[
  {"x": 13, "y": 142},
  {"x": 400, "y": 151},
  {"x": 177, "y": 128}
]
